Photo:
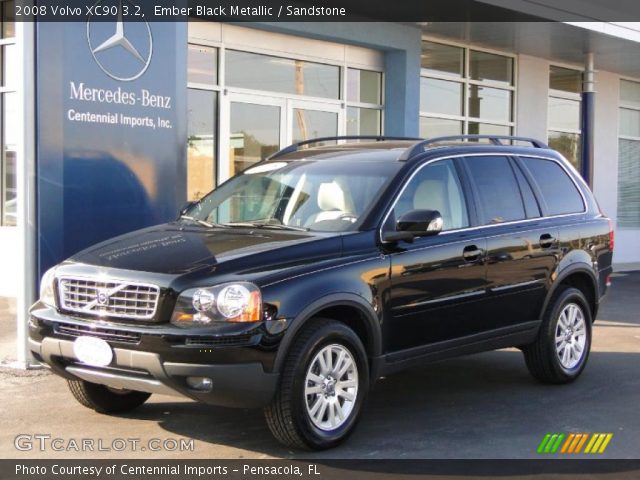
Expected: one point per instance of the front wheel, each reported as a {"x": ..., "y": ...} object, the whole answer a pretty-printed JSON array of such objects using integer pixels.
[
  {"x": 561, "y": 350},
  {"x": 105, "y": 399},
  {"x": 322, "y": 389}
]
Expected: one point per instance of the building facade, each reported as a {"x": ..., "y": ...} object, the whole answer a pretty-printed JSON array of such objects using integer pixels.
[{"x": 242, "y": 91}]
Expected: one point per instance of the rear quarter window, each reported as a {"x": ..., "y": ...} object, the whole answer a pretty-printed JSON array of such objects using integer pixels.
[{"x": 559, "y": 191}]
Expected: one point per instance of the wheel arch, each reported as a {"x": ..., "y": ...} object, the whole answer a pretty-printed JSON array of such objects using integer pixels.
[
  {"x": 348, "y": 308},
  {"x": 580, "y": 276}
]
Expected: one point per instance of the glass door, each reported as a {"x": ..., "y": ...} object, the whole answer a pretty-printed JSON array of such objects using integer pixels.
[
  {"x": 255, "y": 130},
  {"x": 309, "y": 120},
  {"x": 255, "y": 126}
]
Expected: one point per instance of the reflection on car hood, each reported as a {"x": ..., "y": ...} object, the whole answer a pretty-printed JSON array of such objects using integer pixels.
[{"x": 174, "y": 248}]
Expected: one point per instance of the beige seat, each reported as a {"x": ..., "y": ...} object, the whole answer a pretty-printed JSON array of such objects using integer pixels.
[{"x": 332, "y": 202}]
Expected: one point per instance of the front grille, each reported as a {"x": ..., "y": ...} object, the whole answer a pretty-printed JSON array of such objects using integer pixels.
[
  {"x": 108, "y": 298},
  {"x": 91, "y": 331}
]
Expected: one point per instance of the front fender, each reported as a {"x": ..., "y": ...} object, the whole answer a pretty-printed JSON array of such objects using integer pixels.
[{"x": 343, "y": 299}]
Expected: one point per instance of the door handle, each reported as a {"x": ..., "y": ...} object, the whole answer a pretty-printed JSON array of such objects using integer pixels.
[
  {"x": 547, "y": 240},
  {"x": 471, "y": 253}
]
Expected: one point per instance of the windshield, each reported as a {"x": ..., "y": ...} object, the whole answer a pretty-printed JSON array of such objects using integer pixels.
[{"x": 325, "y": 195}]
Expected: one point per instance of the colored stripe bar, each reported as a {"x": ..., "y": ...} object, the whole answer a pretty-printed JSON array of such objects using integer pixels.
[
  {"x": 556, "y": 445},
  {"x": 596, "y": 446},
  {"x": 592, "y": 441},
  {"x": 543, "y": 443},
  {"x": 576, "y": 441},
  {"x": 547, "y": 448},
  {"x": 582, "y": 442},
  {"x": 565, "y": 447},
  {"x": 605, "y": 443}
]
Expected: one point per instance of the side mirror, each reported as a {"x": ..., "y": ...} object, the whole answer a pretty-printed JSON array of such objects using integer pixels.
[{"x": 421, "y": 223}]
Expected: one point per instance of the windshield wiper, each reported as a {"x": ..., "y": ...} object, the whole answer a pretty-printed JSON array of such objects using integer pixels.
[
  {"x": 266, "y": 225},
  {"x": 201, "y": 222},
  {"x": 278, "y": 226}
]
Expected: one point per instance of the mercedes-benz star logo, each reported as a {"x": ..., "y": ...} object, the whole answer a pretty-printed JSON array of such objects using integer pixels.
[{"x": 138, "y": 46}]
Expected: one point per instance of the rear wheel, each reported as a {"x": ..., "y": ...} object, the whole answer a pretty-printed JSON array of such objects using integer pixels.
[
  {"x": 104, "y": 399},
  {"x": 561, "y": 350},
  {"x": 322, "y": 388}
]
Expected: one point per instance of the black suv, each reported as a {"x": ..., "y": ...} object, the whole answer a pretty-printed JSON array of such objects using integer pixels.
[{"x": 297, "y": 283}]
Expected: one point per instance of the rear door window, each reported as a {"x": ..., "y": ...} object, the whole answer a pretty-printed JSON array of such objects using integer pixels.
[
  {"x": 497, "y": 189},
  {"x": 560, "y": 192}
]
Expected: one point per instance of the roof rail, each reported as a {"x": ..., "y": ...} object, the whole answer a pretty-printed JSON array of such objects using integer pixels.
[
  {"x": 296, "y": 146},
  {"x": 494, "y": 139}
]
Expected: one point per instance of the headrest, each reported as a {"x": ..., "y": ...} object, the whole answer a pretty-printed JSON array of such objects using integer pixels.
[{"x": 331, "y": 197}]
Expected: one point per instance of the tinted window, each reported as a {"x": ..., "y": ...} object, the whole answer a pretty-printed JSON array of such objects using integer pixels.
[
  {"x": 530, "y": 203},
  {"x": 435, "y": 187},
  {"x": 500, "y": 199},
  {"x": 559, "y": 191}
]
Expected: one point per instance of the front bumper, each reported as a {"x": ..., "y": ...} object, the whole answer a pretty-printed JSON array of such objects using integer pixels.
[{"x": 239, "y": 379}]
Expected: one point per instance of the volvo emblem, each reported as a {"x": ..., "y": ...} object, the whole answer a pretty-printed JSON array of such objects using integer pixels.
[
  {"x": 102, "y": 297},
  {"x": 122, "y": 50}
]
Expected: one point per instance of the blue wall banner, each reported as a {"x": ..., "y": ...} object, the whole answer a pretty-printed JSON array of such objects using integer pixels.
[{"x": 111, "y": 127}]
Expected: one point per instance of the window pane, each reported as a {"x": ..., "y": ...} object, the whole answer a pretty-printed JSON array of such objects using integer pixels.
[
  {"x": 559, "y": 192},
  {"x": 308, "y": 124},
  {"x": 488, "y": 66},
  {"x": 565, "y": 79},
  {"x": 364, "y": 86},
  {"x": 202, "y": 64},
  {"x": 275, "y": 74},
  {"x": 440, "y": 96},
  {"x": 255, "y": 134},
  {"x": 10, "y": 134},
  {"x": 440, "y": 58},
  {"x": 201, "y": 146},
  {"x": 630, "y": 93},
  {"x": 363, "y": 121},
  {"x": 531, "y": 206},
  {"x": 476, "y": 128},
  {"x": 439, "y": 127},
  {"x": 568, "y": 144},
  {"x": 629, "y": 184},
  {"x": 564, "y": 114},
  {"x": 435, "y": 187},
  {"x": 8, "y": 19},
  {"x": 500, "y": 199},
  {"x": 629, "y": 122},
  {"x": 489, "y": 103}
]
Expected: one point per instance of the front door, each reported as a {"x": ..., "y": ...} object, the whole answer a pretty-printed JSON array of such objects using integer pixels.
[{"x": 438, "y": 283}]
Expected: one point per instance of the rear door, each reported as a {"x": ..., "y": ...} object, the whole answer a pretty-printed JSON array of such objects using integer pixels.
[{"x": 522, "y": 246}]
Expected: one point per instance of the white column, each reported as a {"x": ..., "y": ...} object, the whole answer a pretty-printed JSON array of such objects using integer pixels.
[
  {"x": 26, "y": 178},
  {"x": 532, "y": 97}
]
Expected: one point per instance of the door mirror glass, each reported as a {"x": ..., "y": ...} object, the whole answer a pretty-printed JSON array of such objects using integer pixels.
[{"x": 421, "y": 223}]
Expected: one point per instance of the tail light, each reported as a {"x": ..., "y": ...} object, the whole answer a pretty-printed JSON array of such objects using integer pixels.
[{"x": 611, "y": 236}]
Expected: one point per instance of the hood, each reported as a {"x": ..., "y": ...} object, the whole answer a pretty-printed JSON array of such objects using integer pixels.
[{"x": 178, "y": 249}]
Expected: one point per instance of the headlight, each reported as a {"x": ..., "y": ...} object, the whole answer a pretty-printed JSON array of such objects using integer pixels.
[
  {"x": 47, "y": 289},
  {"x": 229, "y": 302}
]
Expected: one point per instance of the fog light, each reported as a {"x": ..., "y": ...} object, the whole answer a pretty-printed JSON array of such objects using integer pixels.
[{"x": 202, "y": 384}]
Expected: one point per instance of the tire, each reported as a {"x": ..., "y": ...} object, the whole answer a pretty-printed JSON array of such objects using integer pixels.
[
  {"x": 558, "y": 365},
  {"x": 289, "y": 416},
  {"x": 103, "y": 399}
]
